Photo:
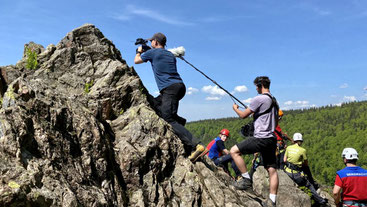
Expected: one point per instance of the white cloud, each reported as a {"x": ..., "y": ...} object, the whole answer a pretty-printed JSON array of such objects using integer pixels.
[
  {"x": 349, "y": 98},
  {"x": 240, "y": 89},
  {"x": 212, "y": 98},
  {"x": 297, "y": 105},
  {"x": 288, "y": 103},
  {"x": 346, "y": 99},
  {"x": 247, "y": 101},
  {"x": 132, "y": 11},
  {"x": 302, "y": 102},
  {"x": 365, "y": 88},
  {"x": 213, "y": 90},
  {"x": 191, "y": 90},
  {"x": 344, "y": 85}
]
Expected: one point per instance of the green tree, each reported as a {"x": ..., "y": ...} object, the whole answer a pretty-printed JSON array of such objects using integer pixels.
[{"x": 326, "y": 130}]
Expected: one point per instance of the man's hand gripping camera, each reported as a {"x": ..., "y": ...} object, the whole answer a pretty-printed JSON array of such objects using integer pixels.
[{"x": 143, "y": 43}]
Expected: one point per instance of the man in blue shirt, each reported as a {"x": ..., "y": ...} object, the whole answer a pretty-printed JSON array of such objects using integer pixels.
[{"x": 171, "y": 89}]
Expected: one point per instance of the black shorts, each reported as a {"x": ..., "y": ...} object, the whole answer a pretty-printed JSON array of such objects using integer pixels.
[{"x": 266, "y": 146}]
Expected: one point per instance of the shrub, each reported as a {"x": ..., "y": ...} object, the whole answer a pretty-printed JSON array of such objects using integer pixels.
[
  {"x": 31, "y": 59},
  {"x": 88, "y": 86}
]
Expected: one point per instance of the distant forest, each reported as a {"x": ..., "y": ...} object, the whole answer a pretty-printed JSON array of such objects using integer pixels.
[{"x": 326, "y": 132}]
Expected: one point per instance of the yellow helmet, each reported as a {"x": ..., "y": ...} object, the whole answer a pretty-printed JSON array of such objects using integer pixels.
[{"x": 280, "y": 113}]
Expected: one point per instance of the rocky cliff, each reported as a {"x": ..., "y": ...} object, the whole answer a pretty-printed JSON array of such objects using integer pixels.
[{"x": 79, "y": 131}]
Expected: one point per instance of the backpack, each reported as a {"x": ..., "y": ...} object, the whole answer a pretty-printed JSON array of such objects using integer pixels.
[{"x": 247, "y": 130}]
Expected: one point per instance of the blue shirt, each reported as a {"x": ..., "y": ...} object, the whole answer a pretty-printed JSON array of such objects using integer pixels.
[
  {"x": 164, "y": 67},
  {"x": 216, "y": 149}
]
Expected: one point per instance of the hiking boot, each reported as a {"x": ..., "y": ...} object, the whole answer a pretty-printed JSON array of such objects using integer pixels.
[
  {"x": 199, "y": 152},
  {"x": 268, "y": 203},
  {"x": 324, "y": 203},
  {"x": 181, "y": 120},
  {"x": 243, "y": 184}
]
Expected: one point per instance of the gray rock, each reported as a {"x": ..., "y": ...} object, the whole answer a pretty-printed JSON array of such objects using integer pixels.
[{"x": 288, "y": 192}]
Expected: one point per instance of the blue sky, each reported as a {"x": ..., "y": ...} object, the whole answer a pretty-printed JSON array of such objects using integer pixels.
[{"x": 315, "y": 52}]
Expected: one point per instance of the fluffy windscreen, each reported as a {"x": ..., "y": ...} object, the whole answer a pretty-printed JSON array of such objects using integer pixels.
[{"x": 178, "y": 51}]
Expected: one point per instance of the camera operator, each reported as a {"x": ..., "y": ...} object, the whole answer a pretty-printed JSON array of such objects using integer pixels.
[{"x": 171, "y": 89}]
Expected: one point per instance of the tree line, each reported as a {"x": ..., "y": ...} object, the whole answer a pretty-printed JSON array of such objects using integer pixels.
[{"x": 326, "y": 132}]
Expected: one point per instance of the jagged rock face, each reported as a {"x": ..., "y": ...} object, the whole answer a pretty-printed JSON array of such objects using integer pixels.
[{"x": 79, "y": 131}]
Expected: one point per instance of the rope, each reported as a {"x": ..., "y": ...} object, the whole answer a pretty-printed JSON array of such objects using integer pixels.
[{"x": 230, "y": 95}]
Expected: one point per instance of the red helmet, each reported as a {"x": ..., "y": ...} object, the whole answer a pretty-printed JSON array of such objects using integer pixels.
[{"x": 225, "y": 132}]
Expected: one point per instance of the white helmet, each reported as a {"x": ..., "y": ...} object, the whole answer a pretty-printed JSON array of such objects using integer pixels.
[
  {"x": 350, "y": 154},
  {"x": 297, "y": 137}
]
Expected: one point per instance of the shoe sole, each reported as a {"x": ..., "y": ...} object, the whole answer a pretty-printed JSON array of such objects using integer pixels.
[
  {"x": 200, "y": 155},
  {"x": 244, "y": 189},
  {"x": 247, "y": 188},
  {"x": 249, "y": 191}
]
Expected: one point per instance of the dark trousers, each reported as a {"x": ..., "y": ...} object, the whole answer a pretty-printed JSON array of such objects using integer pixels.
[
  {"x": 223, "y": 162},
  {"x": 168, "y": 100},
  {"x": 280, "y": 160},
  {"x": 306, "y": 170},
  {"x": 166, "y": 105},
  {"x": 303, "y": 181}
]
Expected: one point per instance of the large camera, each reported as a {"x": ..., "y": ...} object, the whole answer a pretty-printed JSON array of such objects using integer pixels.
[{"x": 143, "y": 43}]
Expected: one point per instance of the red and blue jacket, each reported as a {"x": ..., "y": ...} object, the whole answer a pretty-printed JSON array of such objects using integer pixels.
[
  {"x": 353, "y": 181},
  {"x": 215, "y": 147}
]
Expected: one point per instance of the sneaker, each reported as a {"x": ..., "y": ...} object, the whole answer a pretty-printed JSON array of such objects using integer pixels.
[
  {"x": 199, "y": 152},
  {"x": 243, "y": 183},
  {"x": 318, "y": 191},
  {"x": 316, "y": 186},
  {"x": 268, "y": 203}
]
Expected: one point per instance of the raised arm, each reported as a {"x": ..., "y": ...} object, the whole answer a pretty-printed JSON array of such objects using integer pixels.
[
  {"x": 137, "y": 59},
  {"x": 242, "y": 114}
]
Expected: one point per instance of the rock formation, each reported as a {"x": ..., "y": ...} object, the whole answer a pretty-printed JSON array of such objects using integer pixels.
[{"x": 80, "y": 131}]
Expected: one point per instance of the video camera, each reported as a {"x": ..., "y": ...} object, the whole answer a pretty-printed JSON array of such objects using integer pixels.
[{"x": 143, "y": 43}]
